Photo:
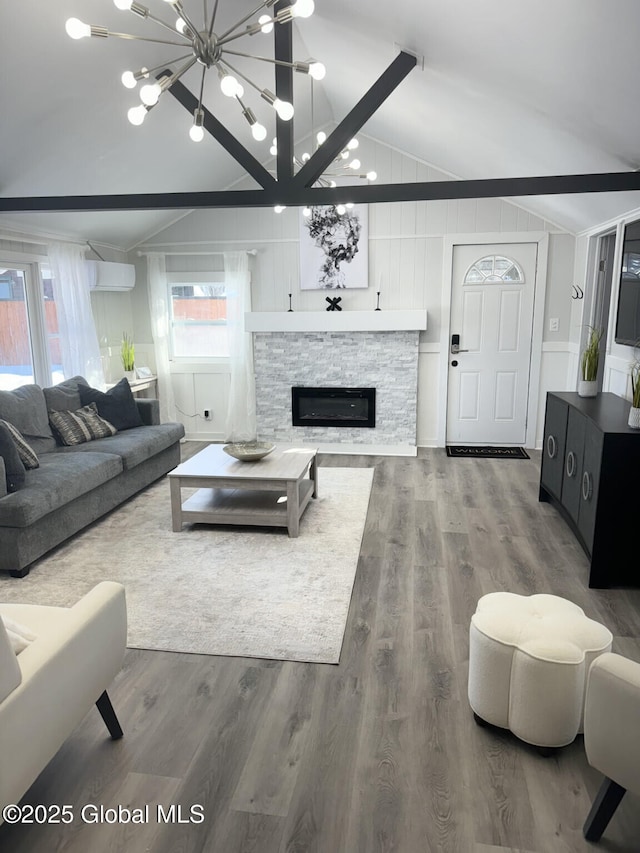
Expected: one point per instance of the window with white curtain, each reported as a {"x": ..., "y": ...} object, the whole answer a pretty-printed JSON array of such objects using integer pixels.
[
  {"x": 29, "y": 337},
  {"x": 198, "y": 310}
]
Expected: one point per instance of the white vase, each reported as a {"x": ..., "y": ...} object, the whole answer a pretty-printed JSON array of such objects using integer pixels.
[
  {"x": 587, "y": 388},
  {"x": 130, "y": 374},
  {"x": 634, "y": 417}
]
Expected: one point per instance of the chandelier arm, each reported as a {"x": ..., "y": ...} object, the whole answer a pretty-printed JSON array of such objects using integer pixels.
[
  {"x": 180, "y": 12},
  {"x": 246, "y": 18},
  {"x": 144, "y": 38},
  {"x": 204, "y": 72},
  {"x": 213, "y": 16},
  {"x": 167, "y": 26},
  {"x": 167, "y": 81},
  {"x": 244, "y": 77},
  {"x": 168, "y": 62},
  {"x": 261, "y": 58}
]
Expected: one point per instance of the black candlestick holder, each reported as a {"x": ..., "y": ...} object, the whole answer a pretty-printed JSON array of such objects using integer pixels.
[
  {"x": 290, "y": 308},
  {"x": 378, "y": 308}
]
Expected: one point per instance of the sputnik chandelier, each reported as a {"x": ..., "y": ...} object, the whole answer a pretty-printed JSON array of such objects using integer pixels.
[{"x": 212, "y": 51}]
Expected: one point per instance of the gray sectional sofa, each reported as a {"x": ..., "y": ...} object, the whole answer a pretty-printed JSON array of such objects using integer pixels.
[{"x": 74, "y": 485}]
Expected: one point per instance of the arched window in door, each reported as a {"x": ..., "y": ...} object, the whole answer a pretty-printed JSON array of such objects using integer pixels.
[{"x": 493, "y": 269}]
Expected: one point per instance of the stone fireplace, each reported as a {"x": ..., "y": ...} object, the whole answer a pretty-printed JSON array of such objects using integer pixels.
[{"x": 354, "y": 358}]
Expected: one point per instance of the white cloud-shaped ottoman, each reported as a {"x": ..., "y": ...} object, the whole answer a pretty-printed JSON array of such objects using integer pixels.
[{"x": 528, "y": 662}]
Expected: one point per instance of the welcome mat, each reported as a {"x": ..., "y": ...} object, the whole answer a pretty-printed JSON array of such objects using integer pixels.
[{"x": 461, "y": 452}]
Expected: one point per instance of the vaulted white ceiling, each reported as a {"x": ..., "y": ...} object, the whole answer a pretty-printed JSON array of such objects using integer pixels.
[{"x": 507, "y": 89}]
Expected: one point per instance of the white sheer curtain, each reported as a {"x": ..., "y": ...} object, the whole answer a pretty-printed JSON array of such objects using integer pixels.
[
  {"x": 78, "y": 338},
  {"x": 159, "y": 310},
  {"x": 241, "y": 413}
]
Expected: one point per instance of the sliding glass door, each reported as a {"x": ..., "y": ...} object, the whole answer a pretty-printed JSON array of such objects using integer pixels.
[{"x": 29, "y": 341}]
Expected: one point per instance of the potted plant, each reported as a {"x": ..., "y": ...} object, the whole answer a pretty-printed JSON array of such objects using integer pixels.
[
  {"x": 588, "y": 385},
  {"x": 127, "y": 355},
  {"x": 634, "y": 411}
]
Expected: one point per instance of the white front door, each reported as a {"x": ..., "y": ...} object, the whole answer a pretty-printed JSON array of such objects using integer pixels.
[{"x": 492, "y": 293}]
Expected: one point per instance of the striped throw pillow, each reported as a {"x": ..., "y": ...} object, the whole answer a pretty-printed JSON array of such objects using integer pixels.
[
  {"x": 84, "y": 424},
  {"x": 26, "y": 453}
]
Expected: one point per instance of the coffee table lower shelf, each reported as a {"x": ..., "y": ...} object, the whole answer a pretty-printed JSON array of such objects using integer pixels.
[{"x": 257, "y": 507}]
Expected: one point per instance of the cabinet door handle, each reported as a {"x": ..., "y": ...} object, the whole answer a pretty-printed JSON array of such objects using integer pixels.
[
  {"x": 571, "y": 463},
  {"x": 587, "y": 486},
  {"x": 552, "y": 447}
]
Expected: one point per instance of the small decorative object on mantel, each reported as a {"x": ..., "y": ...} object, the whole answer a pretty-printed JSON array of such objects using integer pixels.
[
  {"x": 290, "y": 308},
  {"x": 127, "y": 356},
  {"x": 378, "y": 302},
  {"x": 634, "y": 411},
  {"x": 334, "y": 303},
  {"x": 588, "y": 385}
]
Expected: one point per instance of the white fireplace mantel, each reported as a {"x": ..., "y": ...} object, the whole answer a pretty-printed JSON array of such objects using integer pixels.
[{"x": 335, "y": 321}]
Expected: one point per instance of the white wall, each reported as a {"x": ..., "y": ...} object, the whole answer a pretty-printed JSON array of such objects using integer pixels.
[{"x": 406, "y": 247}]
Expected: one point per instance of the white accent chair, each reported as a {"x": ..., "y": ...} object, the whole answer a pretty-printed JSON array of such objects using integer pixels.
[
  {"x": 528, "y": 662},
  {"x": 612, "y": 735},
  {"x": 48, "y": 688}
]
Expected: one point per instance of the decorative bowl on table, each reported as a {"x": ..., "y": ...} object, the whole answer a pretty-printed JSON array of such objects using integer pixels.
[{"x": 249, "y": 451}]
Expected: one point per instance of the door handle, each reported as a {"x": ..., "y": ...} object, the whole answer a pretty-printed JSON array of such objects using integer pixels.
[{"x": 455, "y": 345}]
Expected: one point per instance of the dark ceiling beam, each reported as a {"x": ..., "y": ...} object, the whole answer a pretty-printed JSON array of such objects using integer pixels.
[
  {"x": 294, "y": 196},
  {"x": 226, "y": 139},
  {"x": 356, "y": 119},
  {"x": 283, "y": 51}
]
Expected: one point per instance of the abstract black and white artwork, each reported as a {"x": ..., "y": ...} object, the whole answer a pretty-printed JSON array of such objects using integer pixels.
[{"x": 334, "y": 248}]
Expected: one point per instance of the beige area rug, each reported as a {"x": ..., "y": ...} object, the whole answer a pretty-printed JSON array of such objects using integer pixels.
[{"x": 250, "y": 592}]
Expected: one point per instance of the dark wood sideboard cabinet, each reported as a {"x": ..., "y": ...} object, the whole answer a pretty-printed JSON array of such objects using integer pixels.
[{"x": 590, "y": 472}]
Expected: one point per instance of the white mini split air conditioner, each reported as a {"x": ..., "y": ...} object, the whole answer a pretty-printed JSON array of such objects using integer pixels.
[{"x": 109, "y": 275}]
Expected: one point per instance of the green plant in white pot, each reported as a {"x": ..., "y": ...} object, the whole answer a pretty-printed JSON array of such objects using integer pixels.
[
  {"x": 127, "y": 355},
  {"x": 634, "y": 411},
  {"x": 588, "y": 384}
]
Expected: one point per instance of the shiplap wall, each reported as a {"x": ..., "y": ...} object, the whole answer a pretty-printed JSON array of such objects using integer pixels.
[{"x": 406, "y": 246}]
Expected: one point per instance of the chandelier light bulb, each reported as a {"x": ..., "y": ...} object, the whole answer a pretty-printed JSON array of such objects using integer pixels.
[
  {"x": 306, "y": 211},
  {"x": 332, "y": 184},
  {"x": 306, "y": 156},
  {"x": 137, "y": 115},
  {"x": 181, "y": 25},
  {"x": 129, "y": 80},
  {"x": 76, "y": 29},
  {"x": 273, "y": 151},
  {"x": 349, "y": 205},
  {"x": 229, "y": 85},
  {"x": 123, "y": 5},
  {"x": 321, "y": 136},
  {"x": 372, "y": 176},
  {"x": 354, "y": 164},
  {"x": 258, "y": 131},
  {"x": 284, "y": 109},
  {"x": 345, "y": 155},
  {"x": 341, "y": 209},
  {"x": 266, "y": 23},
  {"x": 150, "y": 93},
  {"x": 317, "y": 70},
  {"x": 196, "y": 132},
  {"x": 279, "y": 208},
  {"x": 353, "y": 144},
  {"x": 302, "y": 9}
]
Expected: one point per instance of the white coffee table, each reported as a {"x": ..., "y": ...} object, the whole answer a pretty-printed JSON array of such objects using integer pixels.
[{"x": 272, "y": 492}]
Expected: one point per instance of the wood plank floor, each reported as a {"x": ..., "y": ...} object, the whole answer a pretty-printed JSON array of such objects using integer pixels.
[{"x": 380, "y": 753}]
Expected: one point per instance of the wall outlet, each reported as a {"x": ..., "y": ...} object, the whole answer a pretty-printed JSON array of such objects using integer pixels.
[
  {"x": 554, "y": 324},
  {"x": 207, "y": 414}
]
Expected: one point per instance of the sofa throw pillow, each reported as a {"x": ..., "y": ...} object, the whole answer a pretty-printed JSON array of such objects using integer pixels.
[
  {"x": 117, "y": 405},
  {"x": 26, "y": 453},
  {"x": 65, "y": 396},
  {"x": 13, "y": 466},
  {"x": 19, "y": 635},
  {"x": 84, "y": 424}
]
